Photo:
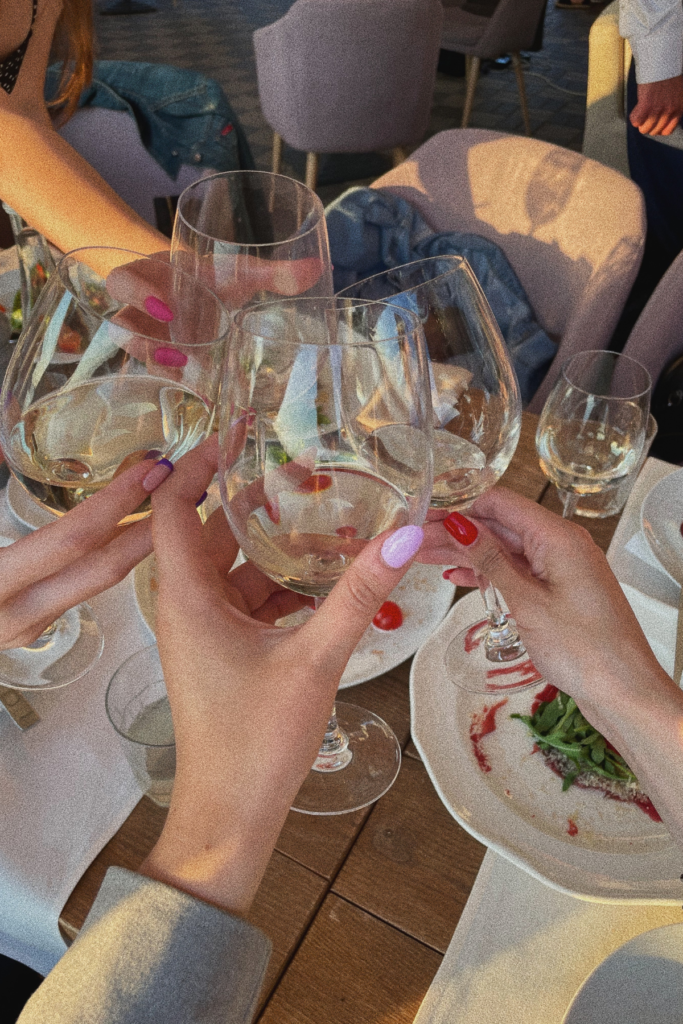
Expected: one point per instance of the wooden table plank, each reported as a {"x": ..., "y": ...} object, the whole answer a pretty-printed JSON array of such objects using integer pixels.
[
  {"x": 352, "y": 969},
  {"x": 601, "y": 530},
  {"x": 412, "y": 865},
  {"x": 524, "y": 475}
]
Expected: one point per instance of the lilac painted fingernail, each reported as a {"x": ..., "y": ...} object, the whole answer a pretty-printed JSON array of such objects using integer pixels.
[
  {"x": 157, "y": 474},
  {"x": 153, "y": 453},
  {"x": 400, "y": 547},
  {"x": 158, "y": 309},
  {"x": 166, "y": 356},
  {"x": 202, "y": 499}
]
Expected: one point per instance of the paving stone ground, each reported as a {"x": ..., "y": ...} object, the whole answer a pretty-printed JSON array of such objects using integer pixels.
[{"x": 214, "y": 37}]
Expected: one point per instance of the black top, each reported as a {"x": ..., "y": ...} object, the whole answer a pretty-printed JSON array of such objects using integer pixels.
[{"x": 11, "y": 66}]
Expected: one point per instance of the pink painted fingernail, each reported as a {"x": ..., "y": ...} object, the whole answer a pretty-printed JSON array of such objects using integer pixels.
[
  {"x": 158, "y": 309},
  {"x": 157, "y": 474},
  {"x": 401, "y": 546},
  {"x": 166, "y": 356}
]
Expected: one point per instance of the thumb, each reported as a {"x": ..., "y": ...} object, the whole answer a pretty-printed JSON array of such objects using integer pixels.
[{"x": 336, "y": 628}]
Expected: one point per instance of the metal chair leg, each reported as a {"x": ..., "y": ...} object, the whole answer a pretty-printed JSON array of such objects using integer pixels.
[
  {"x": 277, "y": 153},
  {"x": 472, "y": 79},
  {"x": 311, "y": 170},
  {"x": 398, "y": 155},
  {"x": 517, "y": 65}
]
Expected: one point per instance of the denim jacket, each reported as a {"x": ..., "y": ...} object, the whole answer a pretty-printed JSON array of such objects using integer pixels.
[{"x": 182, "y": 116}]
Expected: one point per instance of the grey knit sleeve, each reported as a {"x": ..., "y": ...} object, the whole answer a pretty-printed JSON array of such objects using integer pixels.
[{"x": 148, "y": 952}]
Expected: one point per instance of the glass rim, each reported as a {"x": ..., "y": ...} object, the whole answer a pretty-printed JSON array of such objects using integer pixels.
[
  {"x": 459, "y": 260},
  {"x": 615, "y": 355},
  {"x": 125, "y": 736},
  {"x": 66, "y": 282},
  {"x": 240, "y": 315},
  {"x": 298, "y": 185}
]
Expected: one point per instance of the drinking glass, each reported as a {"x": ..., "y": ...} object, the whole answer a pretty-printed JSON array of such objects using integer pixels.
[
  {"x": 251, "y": 236},
  {"x": 477, "y": 420},
  {"x": 120, "y": 360},
  {"x": 602, "y": 504},
  {"x": 137, "y": 707},
  {"x": 325, "y": 442},
  {"x": 593, "y": 426}
]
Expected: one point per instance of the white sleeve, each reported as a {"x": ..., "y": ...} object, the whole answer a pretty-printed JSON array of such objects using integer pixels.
[{"x": 654, "y": 28}]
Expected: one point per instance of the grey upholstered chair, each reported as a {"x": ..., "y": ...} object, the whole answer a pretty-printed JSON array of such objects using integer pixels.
[
  {"x": 348, "y": 76},
  {"x": 657, "y": 335},
  {"x": 510, "y": 28},
  {"x": 572, "y": 229}
]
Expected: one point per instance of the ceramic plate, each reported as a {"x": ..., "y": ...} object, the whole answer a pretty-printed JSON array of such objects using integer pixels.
[
  {"x": 661, "y": 517},
  {"x": 640, "y": 983},
  {"x": 578, "y": 842},
  {"x": 24, "y": 508}
]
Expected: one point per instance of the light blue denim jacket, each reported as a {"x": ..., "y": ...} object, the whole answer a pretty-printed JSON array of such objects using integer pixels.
[{"x": 182, "y": 116}]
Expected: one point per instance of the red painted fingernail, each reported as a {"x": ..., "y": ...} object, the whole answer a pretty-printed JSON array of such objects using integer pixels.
[
  {"x": 166, "y": 356},
  {"x": 461, "y": 529},
  {"x": 158, "y": 309},
  {"x": 447, "y": 574}
]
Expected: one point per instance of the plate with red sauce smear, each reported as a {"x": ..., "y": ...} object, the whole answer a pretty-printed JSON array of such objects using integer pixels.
[
  {"x": 661, "y": 520},
  {"x": 499, "y": 788}
]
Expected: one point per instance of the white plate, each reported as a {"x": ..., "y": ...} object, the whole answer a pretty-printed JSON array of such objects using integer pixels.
[
  {"x": 24, "y": 508},
  {"x": 423, "y": 596},
  {"x": 660, "y": 519},
  {"x": 640, "y": 983},
  {"x": 518, "y": 808}
]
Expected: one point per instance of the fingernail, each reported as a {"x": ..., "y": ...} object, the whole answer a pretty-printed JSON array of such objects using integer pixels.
[
  {"x": 463, "y": 530},
  {"x": 158, "y": 309},
  {"x": 153, "y": 453},
  {"x": 159, "y": 472},
  {"x": 166, "y": 356},
  {"x": 401, "y": 546},
  {"x": 447, "y": 574},
  {"x": 202, "y": 499}
]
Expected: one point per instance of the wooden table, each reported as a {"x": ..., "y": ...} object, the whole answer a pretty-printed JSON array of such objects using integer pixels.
[{"x": 361, "y": 907}]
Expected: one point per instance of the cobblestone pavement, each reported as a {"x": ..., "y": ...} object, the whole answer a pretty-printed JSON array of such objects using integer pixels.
[{"x": 214, "y": 37}]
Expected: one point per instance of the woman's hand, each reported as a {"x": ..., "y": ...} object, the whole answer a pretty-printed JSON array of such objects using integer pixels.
[
  {"x": 74, "y": 558},
  {"x": 250, "y": 701}
]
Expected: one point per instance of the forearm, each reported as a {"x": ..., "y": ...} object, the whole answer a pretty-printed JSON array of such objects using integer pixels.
[
  {"x": 654, "y": 29},
  {"x": 59, "y": 194}
]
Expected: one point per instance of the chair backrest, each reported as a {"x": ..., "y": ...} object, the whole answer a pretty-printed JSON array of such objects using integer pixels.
[
  {"x": 109, "y": 140},
  {"x": 657, "y": 335},
  {"x": 572, "y": 229},
  {"x": 511, "y": 27},
  {"x": 609, "y": 59},
  {"x": 349, "y": 75}
]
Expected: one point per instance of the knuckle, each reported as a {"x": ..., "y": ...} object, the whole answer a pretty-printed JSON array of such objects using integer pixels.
[
  {"x": 492, "y": 559},
  {"x": 363, "y": 592}
]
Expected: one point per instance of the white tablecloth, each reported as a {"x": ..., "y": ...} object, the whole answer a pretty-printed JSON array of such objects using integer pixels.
[
  {"x": 65, "y": 786},
  {"x": 521, "y": 950}
]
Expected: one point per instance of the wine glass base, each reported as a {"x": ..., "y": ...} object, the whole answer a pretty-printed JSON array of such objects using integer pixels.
[
  {"x": 371, "y": 771},
  {"x": 469, "y": 668},
  {"x": 61, "y": 655}
]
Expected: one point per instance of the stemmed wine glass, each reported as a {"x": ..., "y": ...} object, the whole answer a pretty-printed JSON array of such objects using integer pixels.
[
  {"x": 477, "y": 421},
  {"x": 253, "y": 235},
  {"x": 593, "y": 426},
  {"x": 120, "y": 361},
  {"x": 325, "y": 442}
]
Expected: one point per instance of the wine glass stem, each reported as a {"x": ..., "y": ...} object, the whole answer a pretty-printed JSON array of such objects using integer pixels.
[
  {"x": 503, "y": 642},
  {"x": 334, "y": 753},
  {"x": 570, "y": 500}
]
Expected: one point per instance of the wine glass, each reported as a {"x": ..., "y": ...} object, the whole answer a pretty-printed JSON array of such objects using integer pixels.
[
  {"x": 477, "y": 420},
  {"x": 593, "y": 426},
  {"x": 120, "y": 361},
  {"x": 325, "y": 442},
  {"x": 251, "y": 236}
]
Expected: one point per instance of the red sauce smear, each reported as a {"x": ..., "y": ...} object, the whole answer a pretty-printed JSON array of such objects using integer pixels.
[
  {"x": 315, "y": 483},
  {"x": 641, "y": 801},
  {"x": 348, "y": 532},
  {"x": 472, "y": 641},
  {"x": 572, "y": 827},
  {"x": 388, "y": 617},
  {"x": 484, "y": 722},
  {"x": 547, "y": 694},
  {"x": 528, "y": 674},
  {"x": 681, "y": 528}
]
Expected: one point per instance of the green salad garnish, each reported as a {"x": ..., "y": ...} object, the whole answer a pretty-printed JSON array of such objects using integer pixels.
[{"x": 559, "y": 725}]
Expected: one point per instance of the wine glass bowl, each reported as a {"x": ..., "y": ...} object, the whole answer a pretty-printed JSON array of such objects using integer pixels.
[{"x": 121, "y": 358}]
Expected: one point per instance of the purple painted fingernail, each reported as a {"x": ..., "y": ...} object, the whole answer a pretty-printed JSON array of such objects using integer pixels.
[
  {"x": 157, "y": 474},
  {"x": 400, "y": 547},
  {"x": 202, "y": 499},
  {"x": 158, "y": 309},
  {"x": 166, "y": 356},
  {"x": 153, "y": 453}
]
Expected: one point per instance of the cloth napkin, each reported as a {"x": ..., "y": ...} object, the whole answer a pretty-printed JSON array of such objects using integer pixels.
[
  {"x": 521, "y": 949},
  {"x": 65, "y": 785}
]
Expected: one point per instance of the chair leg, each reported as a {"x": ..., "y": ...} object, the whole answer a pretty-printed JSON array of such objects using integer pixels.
[
  {"x": 472, "y": 79},
  {"x": 277, "y": 153},
  {"x": 517, "y": 65},
  {"x": 311, "y": 170},
  {"x": 398, "y": 155}
]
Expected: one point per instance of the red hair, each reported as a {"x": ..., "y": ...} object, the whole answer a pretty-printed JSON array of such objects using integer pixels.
[{"x": 73, "y": 46}]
